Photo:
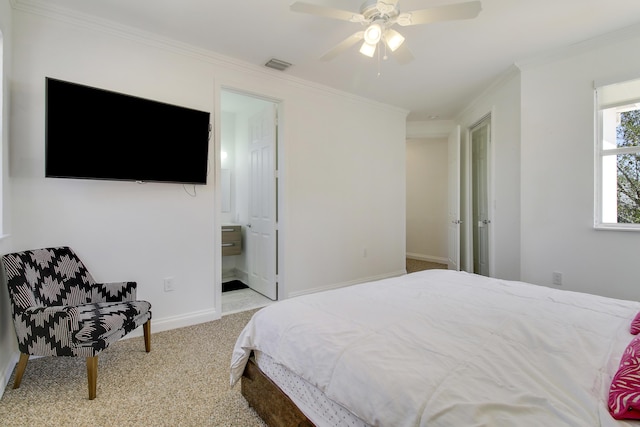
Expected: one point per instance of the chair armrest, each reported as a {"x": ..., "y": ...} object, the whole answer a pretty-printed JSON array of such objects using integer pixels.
[
  {"x": 47, "y": 331},
  {"x": 114, "y": 292}
]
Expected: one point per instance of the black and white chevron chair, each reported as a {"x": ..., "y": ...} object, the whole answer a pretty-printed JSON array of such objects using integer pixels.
[{"x": 59, "y": 310}]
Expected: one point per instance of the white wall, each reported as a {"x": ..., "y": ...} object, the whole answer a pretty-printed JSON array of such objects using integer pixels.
[
  {"x": 8, "y": 344},
  {"x": 502, "y": 101},
  {"x": 343, "y": 170},
  {"x": 427, "y": 199},
  {"x": 228, "y": 145},
  {"x": 122, "y": 230},
  {"x": 345, "y": 193},
  {"x": 558, "y": 172}
]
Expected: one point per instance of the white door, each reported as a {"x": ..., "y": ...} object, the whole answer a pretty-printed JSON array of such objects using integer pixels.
[
  {"x": 454, "y": 200},
  {"x": 261, "y": 229},
  {"x": 480, "y": 137}
]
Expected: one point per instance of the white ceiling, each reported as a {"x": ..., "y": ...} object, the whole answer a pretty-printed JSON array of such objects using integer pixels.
[{"x": 454, "y": 61}]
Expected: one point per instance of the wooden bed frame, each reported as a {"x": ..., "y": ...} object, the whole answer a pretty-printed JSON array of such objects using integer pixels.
[{"x": 265, "y": 397}]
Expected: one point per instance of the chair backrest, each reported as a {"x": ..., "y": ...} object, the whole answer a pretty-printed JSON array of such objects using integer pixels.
[{"x": 46, "y": 277}]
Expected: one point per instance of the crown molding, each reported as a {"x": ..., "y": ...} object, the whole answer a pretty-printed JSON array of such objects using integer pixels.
[
  {"x": 552, "y": 56},
  {"x": 93, "y": 23},
  {"x": 580, "y": 47},
  {"x": 429, "y": 128},
  {"x": 510, "y": 73}
]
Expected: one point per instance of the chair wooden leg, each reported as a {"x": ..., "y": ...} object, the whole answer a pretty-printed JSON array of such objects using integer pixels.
[
  {"x": 22, "y": 365},
  {"x": 92, "y": 375},
  {"x": 147, "y": 335}
]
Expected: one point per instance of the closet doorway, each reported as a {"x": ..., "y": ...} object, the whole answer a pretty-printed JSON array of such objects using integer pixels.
[
  {"x": 249, "y": 199},
  {"x": 480, "y": 136}
]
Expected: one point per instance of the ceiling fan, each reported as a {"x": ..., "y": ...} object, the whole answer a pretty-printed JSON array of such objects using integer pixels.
[{"x": 378, "y": 16}]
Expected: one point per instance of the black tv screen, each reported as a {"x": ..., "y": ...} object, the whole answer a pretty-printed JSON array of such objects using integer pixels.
[{"x": 93, "y": 133}]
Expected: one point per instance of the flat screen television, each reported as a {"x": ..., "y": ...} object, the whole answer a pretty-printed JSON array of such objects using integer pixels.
[{"x": 93, "y": 133}]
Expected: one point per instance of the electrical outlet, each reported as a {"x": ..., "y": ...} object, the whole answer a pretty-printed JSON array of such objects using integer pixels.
[
  {"x": 556, "y": 277},
  {"x": 169, "y": 284}
]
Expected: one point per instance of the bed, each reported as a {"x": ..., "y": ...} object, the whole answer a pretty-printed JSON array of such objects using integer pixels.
[{"x": 441, "y": 348}]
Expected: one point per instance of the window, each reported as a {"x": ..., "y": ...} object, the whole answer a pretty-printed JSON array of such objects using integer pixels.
[
  {"x": 618, "y": 156},
  {"x": 3, "y": 132}
]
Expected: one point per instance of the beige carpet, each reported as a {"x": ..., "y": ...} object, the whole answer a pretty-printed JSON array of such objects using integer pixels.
[
  {"x": 414, "y": 265},
  {"x": 183, "y": 381}
]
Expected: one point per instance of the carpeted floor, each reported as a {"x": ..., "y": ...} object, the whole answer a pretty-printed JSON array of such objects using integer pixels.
[
  {"x": 414, "y": 265},
  {"x": 183, "y": 381}
]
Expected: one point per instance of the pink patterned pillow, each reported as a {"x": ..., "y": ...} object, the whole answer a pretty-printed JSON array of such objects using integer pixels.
[
  {"x": 624, "y": 393},
  {"x": 635, "y": 325}
]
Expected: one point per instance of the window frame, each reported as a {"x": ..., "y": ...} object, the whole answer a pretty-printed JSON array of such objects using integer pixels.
[{"x": 600, "y": 154}]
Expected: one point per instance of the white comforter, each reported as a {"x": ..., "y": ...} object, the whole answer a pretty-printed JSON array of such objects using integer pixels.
[{"x": 442, "y": 348}]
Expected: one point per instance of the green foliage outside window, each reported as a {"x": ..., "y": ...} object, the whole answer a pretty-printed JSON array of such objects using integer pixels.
[{"x": 628, "y": 135}]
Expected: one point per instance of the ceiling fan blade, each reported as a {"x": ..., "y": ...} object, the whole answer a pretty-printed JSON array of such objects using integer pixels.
[
  {"x": 402, "y": 54},
  {"x": 327, "y": 12},
  {"x": 343, "y": 45},
  {"x": 451, "y": 12}
]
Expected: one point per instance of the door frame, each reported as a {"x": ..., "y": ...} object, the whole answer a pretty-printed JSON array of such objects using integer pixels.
[
  {"x": 453, "y": 195},
  {"x": 279, "y": 187}
]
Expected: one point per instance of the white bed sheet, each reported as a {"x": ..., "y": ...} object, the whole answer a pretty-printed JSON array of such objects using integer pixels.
[{"x": 444, "y": 348}]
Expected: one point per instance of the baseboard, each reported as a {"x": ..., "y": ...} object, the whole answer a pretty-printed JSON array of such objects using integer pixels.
[
  {"x": 242, "y": 276},
  {"x": 181, "y": 321},
  {"x": 421, "y": 257},
  {"x": 235, "y": 273},
  {"x": 6, "y": 371},
  {"x": 349, "y": 283}
]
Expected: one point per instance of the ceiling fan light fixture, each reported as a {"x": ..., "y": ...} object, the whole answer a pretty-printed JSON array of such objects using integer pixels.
[
  {"x": 368, "y": 49},
  {"x": 373, "y": 33},
  {"x": 378, "y": 16},
  {"x": 393, "y": 39}
]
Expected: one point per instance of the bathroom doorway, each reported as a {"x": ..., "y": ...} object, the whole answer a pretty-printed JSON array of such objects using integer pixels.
[{"x": 249, "y": 164}]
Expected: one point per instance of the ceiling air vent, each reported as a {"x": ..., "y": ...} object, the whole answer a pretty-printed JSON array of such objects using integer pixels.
[{"x": 277, "y": 64}]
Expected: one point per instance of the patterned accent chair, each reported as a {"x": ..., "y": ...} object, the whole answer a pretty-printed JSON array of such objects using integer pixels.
[{"x": 59, "y": 310}]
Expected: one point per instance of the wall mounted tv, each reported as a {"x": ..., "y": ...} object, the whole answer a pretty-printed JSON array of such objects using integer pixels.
[{"x": 93, "y": 133}]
